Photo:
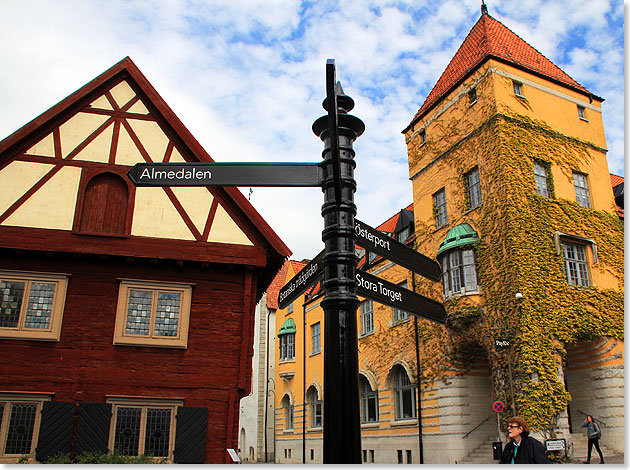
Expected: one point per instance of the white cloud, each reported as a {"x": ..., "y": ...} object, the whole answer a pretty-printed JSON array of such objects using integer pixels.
[{"x": 247, "y": 77}]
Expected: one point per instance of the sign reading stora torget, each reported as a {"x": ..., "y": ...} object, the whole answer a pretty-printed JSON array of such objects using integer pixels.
[{"x": 399, "y": 297}]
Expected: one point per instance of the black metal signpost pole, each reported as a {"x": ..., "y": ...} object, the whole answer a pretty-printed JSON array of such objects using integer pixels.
[{"x": 338, "y": 130}]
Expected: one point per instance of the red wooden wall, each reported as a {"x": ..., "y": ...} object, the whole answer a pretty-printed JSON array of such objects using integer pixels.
[{"x": 84, "y": 366}]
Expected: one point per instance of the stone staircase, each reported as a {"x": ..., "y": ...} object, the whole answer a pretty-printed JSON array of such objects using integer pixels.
[{"x": 481, "y": 455}]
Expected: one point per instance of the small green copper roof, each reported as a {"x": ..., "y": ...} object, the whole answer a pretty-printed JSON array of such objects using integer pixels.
[
  {"x": 460, "y": 235},
  {"x": 287, "y": 327}
]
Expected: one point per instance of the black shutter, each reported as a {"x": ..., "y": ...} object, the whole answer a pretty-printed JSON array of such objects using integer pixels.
[
  {"x": 190, "y": 435},
  {"x": 55, "y": 429},
  {"x": 93, "y": 427}
]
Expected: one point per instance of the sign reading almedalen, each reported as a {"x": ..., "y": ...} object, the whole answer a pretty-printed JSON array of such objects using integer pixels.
[{"x": 149, "y": 174}]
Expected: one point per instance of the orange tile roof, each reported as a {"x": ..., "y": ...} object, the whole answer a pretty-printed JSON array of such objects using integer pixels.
[
  {"x": 487, "y": 39},
  {"x": 615, "y": 180},
  {"x": 390, "y": 224},
  {"x": 278, "y": 282}
]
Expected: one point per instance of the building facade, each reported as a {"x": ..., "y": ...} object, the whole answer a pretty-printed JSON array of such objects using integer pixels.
[
  {"x": 512, "y": 195},
  {"x": 126, "y": 313}
]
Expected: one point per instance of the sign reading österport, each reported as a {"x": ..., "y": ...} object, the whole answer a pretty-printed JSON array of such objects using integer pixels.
[
  {"x": 384, "y": 245},
  {"x": 390, "y": 294},
  {"x": 226, "y": 174}
]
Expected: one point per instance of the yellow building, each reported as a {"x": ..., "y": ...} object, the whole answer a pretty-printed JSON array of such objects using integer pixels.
[{"x": 512, "y": 195}]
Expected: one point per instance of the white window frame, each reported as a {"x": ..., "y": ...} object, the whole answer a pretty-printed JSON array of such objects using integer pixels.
[
  {"x": 459, "y": 272},
  {"x": 473, "y": 188},
  {"x": 287, "y": 347},
  {"x": 53, "y": 331},
  {"x": 366, "y": 309},
  {"x": 518, "y": 88},
  {"x": 582, "y": 113},
  {"x": 402, "y": 387},
  {"x": 368, "y": 397},
  {"x": 582, "y": 192},
  {"x": 8, "y": 400},
  {"x": 144, "y": 404},
  {"x": 576, "y": 264},
  {"x": 398, "y": 315},
  {"x": 441, "y": 213},
  {"x": 316, "y": 338},
  {"x": 541, "y": 177}
]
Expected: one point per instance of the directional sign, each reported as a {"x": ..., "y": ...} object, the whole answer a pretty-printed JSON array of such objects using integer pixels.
[
  {"x": 498, "y": 406},
  {"x": 302, "y": 281},
  {"x": 384, "y": 245},
  {"x": 226, "y": 174},
  {"x": 390, "y": 294}
]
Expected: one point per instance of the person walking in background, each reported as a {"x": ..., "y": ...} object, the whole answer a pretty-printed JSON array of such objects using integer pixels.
[
  {"x": 594, "y": 433},
  {"x": 522, "y": 448}
]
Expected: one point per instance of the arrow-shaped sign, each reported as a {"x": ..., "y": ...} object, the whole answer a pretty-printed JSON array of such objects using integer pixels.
[
  {"x": 386, "y": 246},
  {"x": 390, "y": 294},
  {"x": 226, "y": 174},
  {"x": 301, "y": 281}
]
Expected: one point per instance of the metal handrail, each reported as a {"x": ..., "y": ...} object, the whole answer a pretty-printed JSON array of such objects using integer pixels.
[
  {"x": 469, "y": 432},
  {"x": 594, "y": 419}
]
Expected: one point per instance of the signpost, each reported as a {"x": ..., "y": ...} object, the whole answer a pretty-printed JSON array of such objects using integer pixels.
[{"x": 336, "y": 263}]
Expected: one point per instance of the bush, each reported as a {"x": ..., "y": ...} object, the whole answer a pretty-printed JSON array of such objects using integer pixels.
[{"x": 100, "y": 458}]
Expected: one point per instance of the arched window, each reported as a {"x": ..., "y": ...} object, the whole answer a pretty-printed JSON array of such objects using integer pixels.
[
  {"x": 369, "y": 401},
  {"x": 288, "y": 411},
  {"x": 404, "y": 394},
  {"x": 316, "y": 407},
  {"x": 105, "y": 203}
]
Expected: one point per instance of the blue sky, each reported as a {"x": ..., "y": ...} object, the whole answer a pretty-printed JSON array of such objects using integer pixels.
[{"x": 248, "y": 77}]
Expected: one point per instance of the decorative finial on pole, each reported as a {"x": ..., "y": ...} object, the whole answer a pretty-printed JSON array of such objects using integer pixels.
[{"x": 484, "y": 8}]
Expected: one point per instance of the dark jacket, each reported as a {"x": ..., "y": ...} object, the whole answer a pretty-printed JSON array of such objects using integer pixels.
[{"x": 530, "y": 451}]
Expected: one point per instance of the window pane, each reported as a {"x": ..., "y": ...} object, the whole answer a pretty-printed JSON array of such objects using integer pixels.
[
  {"x": 470, "y": 271},
  {"x": 158, "y": 430},
  {"x": 167, "y": 314},
  {"x": 582, "y": 195},
  {"x": 20, "y": 432},
  {"x": 139, "y": 312},
  {"x": 127, "y": 433},
  {"x": 11, "y": 295},
  {"x": 40, "y": 305},
  {"x": 474, "y": 188},
  {"x": 540, "y": 174},
  {"x": 316, "y": 338}
]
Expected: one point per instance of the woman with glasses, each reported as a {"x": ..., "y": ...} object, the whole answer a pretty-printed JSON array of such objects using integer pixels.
[{"x": 522, "y": 448}]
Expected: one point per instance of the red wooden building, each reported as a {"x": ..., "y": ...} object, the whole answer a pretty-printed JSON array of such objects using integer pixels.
[{"x": 126, "y": 314}]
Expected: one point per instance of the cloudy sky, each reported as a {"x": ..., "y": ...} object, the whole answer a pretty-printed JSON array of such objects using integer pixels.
[{"x": 247, "y": 77}]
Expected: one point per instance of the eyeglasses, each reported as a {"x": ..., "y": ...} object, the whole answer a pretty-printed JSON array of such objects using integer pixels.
[{"x": 513, "y": 426}]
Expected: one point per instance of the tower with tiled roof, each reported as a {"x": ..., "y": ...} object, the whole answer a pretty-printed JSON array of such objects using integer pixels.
[{"x": 512, "y": 194}]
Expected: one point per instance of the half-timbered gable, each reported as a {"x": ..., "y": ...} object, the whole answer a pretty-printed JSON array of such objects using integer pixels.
[{"x": 132, "y": 306}]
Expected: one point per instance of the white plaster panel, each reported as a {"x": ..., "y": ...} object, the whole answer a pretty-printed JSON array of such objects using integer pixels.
[
  {"x": 196, "y": 201},
  {"x": 176, "y": 157},
  {"x": 127, "y": 153},
  {"x": 225, "y": 230},
  {"x": 122, "y": 93},
  {"x": 152, "y": 138},
  {"x": 155, "y": 216},
  {"x": 53, "y": 205},
  {"x": 77, "y": 129},
  {"x": 17, "y": 178},
  {"x": 139, "y": 108},
  {"x": 101, "y": 103},
  {"x": 44, "y": 148},
  {"x": 98, "y": 149}
]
